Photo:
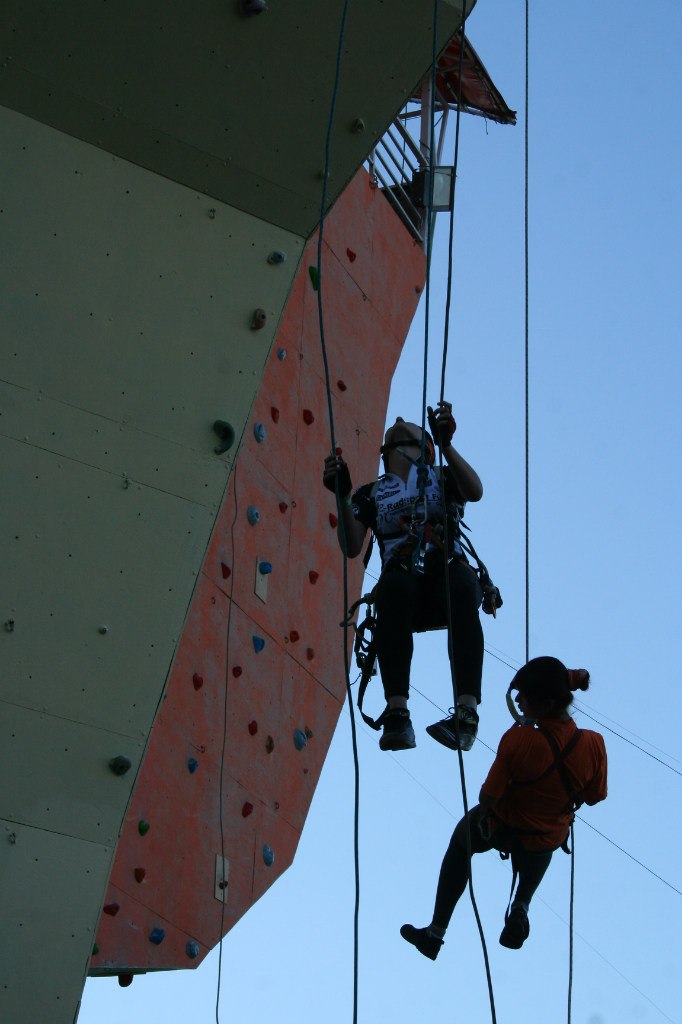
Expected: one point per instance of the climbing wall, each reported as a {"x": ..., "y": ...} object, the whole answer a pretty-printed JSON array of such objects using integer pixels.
[
  {"x": 128, "y": 328},
  {"x": 258, "y": 682}
]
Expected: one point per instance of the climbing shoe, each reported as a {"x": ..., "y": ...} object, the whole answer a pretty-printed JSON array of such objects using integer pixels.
[
  {"x": 445, "y": 731},
  {"x": 398, "y": 733},
  {"x": 428, "y": 945},
  {"x": 516, "y": 928}
]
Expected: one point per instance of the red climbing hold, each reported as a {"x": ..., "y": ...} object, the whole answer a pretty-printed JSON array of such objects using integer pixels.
[
  {"x": 313, "y": 576},
  {"x": 247, "y": 809},
  {"x": 269, "y": 745},
  {"x": 294, "y": 636},
  {"x": 339, "y": 451},
  {"x": 237, "y": 671},
  {"x": 253, "y": 728},
  {"x": 352, "y": 256},
  {"x": 308, "y": 417},
  {"x": 310, "y": 653},
  {"x": 333, "y": 521},
  {"x": 226, "y": 571},
  {"x": 274, "y": 413},
  {"x": 139, "y": 874},
  {"x": 283, "y": 506},
  {"x": 341, "y": 385},
  {"x": 111, "y": 909},
  {"x": 198, "y": 681}
]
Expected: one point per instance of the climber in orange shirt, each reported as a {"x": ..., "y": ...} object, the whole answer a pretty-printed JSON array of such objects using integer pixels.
[{"x": 544, "y": 769}]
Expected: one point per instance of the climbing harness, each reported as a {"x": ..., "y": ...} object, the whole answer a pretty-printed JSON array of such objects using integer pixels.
[
  {"x": 510, "y": 836},
  {"x": 413, "y": 556}
]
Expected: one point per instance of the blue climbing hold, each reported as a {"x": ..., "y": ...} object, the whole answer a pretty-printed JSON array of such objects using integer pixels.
[
  {"x": 265, "y": 568},
  {"x": 281, "y": 354},
  {"x": 300, "y": 739},
  {"x": 157, "y": 935},
  {"x": 268, "y": 855},
  {"x": 253, "y": 515},
  {"x": 258, "y": 643},
  {"x": 192, "y": 950},
  {"x": 259, "y": 432},
  {"x": 192, "y": 764},
  {"x": 276, "y": 257}
]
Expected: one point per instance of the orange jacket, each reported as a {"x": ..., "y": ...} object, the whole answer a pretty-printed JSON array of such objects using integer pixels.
[{"x": 543, "y": 807}]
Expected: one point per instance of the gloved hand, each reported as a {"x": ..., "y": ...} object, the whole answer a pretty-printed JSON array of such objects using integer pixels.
[
  {"x": 442, "y": 423},
  {"x": 336, "y": 469}
]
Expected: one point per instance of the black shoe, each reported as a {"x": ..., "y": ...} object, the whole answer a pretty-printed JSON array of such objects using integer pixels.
[
  {"x": 446, "y": 730},
  {"x": 516, "y": 928},
  {"x": 398, "y": 733},
  {"x": 427, "y": 944}
]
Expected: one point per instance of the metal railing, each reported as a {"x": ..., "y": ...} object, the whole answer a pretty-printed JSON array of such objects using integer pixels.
[{"x": 393, "y": 164}]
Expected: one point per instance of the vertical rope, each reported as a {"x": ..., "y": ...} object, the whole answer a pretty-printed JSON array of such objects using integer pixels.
[
  {"x": 570, "y": 927},
  {"x": 339, "y": 510},
  {"x": 527, "y": 346}
]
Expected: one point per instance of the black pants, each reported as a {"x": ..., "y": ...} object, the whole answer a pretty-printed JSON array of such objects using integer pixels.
[
  {"x": 407, "y": 602},
  {"x": 454, "y": 872}
]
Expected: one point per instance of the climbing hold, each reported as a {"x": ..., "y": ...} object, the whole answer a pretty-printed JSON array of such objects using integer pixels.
[
  {"x": 308, "y": 417},
  {"x": 339, "y": 451},
  {"x": 226, "y": 571},
  {"x": 222, "y": 885},
  {"x": 352, "y": 256},
  {"x": 198, "y": 681},
  {"x": 103, "y": 630},
  {"x": 277, "y": 257},
  {"x": 95, "y": 949},
  {"x": 259, "y": 319},
  {"x": 253, "y": 515},
  {"x": 274, "y": 412},
  {"x": 192, "y": 950},
  {"x": 281, "y": 354},
  {"x": 157, "y": 935},
  {"x": 250, "y": 7},
  {"x": 253, "y": 728},
  {"x": 309, "y": 653},
  {"x": 259, "y": 433},
  {"x": 268, "y": 855},
  {"x": 258, "y": 643},
  {"x": 294, "y": 636},
  {"x": 143, "y": 827},
  {"x": 269, "y": 745},
  {"x": 341, "y": 385},
  {"x": 313, "y": 576},
  {"x": 247, "y": 809},
  {"x": 314, "y": 277},
  {"x": 225, "y": 432},
  {"x": 125, "y": 980},
  {"x": 192, "y": 765},
  {"x": 237, "y": 671},
  {"x": 120, "y": 765},
  {"x": 300, "y": 739},
  {"x": 9, "y": 625},
  {"x": 358, "y": 126},
  {"x": 283, "y": 506},
  {"x": 265, "y": 568},
  {"x": 139, "y": 874},
  {"x": 309, "y": 732},
  {"x": 111, "y": 909},
  {"x": 333, "y": 521}
]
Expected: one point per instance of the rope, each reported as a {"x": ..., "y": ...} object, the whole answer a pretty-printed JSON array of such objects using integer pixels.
[
  {"x": 339, "y": 509},
  {"x": 224, "y": 745},
  {"x": 570, "y": 927},
  {"x": 526, "y": 343},
  {"x": 448, "y": 598}
]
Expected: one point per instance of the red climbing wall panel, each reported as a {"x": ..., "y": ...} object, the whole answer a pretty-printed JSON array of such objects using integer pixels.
[{"x": 257, "y": 685}]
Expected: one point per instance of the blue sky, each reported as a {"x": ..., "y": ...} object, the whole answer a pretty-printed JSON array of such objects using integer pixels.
[{"x": 605, "y": 558}]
